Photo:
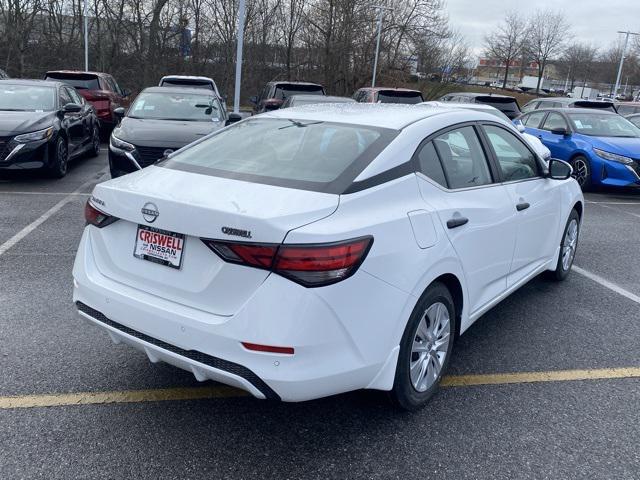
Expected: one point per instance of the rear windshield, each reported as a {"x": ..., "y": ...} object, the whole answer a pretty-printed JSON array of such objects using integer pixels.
[
  {"x": 303, "y": 154},
  {"x": 79, "y": 81},
  {"x": 603, "y": 125},
  {"x": 502, "y": 104},
  {"x": 285, "y": 91},
  {"x": 595, "y": 105},
  {"x": 393, "y": 96},
  {"x": 188, "y": 83}
]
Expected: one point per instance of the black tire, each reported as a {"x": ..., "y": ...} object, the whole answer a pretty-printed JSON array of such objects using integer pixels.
[
  {"x": 94, "y": 150},
  {"x": 562, "y": 269},
  {"x": 60, "y": 159},
  {"x": 582, "y": 172},
  {"x": 404, "y": 393}
]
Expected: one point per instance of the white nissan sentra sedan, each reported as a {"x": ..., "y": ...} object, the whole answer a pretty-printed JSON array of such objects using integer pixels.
[{"x": 317, "y": 250}]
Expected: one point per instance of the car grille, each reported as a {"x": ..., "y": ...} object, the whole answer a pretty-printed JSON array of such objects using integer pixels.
[
  {"x": 4, "y": 147},
  {"x": 149, "y": 155}
]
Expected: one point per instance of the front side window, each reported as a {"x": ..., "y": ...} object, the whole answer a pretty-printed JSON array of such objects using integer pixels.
[
  {"x": 27, "y": 98},
  {"x": 75, "y": 98},
  {"x": 463, "y": 158},
  {"x": 64, "y": 97},
  {"x": 533, "y": 120},
  {"x": 176, "y": 106},
  {"x": 554, "y": 121},
  {"x": 304, "y": 154},
  {"x": 515, "y": 159}
]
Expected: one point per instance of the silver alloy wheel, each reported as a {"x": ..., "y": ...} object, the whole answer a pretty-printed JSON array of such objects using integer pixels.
[
  {"x": 580, "y": 171},
  {"x": 430, "y": 347},
  {"x": 569, "y": 244}
]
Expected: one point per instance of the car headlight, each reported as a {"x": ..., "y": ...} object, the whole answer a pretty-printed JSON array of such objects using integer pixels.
[
  {"x": 118, "y": 144},
  {"x": 45, "y": 134},
  {"x": 614, "y": 157}
]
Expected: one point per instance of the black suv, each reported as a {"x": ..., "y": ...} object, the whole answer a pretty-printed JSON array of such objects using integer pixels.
[{"x": 506, "y": 104}]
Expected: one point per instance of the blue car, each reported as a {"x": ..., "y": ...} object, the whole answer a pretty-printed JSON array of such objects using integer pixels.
[{"x": 602, "y": 146}]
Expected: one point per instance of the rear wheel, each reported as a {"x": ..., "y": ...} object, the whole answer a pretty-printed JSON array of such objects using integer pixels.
[
  {"x": 425, "y": 348},
  {"x": 582, "y": 171},
  {"x": 568, "y": 247},
  {"x": 60, "y": 160}
]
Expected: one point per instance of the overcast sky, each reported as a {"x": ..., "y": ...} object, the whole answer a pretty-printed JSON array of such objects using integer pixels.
[{"x": 593, "y": 21}]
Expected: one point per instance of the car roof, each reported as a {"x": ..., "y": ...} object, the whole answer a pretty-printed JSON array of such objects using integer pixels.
[
  {"x": 395, "y": 89},
  {"x": 573, "y": 110},
  {"x": 470, "y": 106},
  {"x": 79, "y": 72},
  {"x": 168, "y": 90},
  {"x": 32, "y": 82},
  {"x": 284, "y": 82},
  {"x": 385, "y": 115}
]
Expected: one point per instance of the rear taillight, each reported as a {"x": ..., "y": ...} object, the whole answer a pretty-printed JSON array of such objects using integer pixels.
[
  {"x": 310, "y": 265},
  {"x": 95, "y": 217}
]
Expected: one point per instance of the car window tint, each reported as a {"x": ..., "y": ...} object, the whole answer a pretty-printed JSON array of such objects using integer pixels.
[
  {"x": 515, "y": 159},
  {"x": 533, "y": 119},
  {"x": 554, "y": 120},
  {"x": 64, "y": 97},
  {"x": 463, "y": 159},
  {"x": 430, "y": 164}
]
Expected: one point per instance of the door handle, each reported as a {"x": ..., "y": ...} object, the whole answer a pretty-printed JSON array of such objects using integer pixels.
[
  {"x": 457, "y": 222},
  {"x": 522, "y": 206}
]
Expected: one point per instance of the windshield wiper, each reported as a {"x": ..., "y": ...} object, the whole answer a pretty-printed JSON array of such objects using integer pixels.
[{"x": 295, "y": 123}]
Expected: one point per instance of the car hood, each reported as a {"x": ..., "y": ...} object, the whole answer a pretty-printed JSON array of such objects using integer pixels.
[
  {"x": 14, "y": 123},
  {"x": 163, "y": 133},
  {"x": 629, "y": 147}
]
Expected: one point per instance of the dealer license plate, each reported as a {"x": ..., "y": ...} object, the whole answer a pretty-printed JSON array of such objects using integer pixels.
[{"x": 159, "y": 246}]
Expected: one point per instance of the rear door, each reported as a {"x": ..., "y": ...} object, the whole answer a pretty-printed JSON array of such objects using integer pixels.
[
  {"x": 475, "y": 210},
  {"x": 534, "y": 199}
]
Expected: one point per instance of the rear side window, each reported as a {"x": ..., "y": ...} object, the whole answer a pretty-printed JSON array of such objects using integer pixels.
[
  {"x": 430, "y": 164},
  {"x": 463, "y": 158},
  {"x": 533, "y": 120},
  {"x": 515, "y": 159},
  {"x": 319, "y": 156}
]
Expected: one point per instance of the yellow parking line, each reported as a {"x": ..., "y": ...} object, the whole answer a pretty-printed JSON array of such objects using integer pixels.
[{"x": 222, "y": 391}]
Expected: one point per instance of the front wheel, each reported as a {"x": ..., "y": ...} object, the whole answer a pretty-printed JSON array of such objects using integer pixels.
[
  {"x": 568, "y": 247},
  {"x": 582, "y": 172},
  {"x": 425, "y": 348},
  {"x": 60, "y": 160}
]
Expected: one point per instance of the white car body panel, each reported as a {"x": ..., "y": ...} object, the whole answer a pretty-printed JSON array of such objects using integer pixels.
[{"x": 346, "y": 335}]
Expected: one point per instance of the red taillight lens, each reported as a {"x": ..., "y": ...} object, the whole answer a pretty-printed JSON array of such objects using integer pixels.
[
  {"x": 312, "y": 265},
  {"x": 268, "y": 348},
  {"x": 97, "y": 218}
]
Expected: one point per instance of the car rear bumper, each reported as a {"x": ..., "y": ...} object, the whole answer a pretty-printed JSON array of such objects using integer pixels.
[{"x": 331, "y": 356}]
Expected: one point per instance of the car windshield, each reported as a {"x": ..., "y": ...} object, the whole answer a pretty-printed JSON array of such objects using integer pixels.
[
  {"x": 81, "y": 82},
  {"x": 391, "y": 96},
  {"x": 191, "y": 107},
  {"x": 294, "y": 153},
  {"x": 603, "y": 125},
  {"x": 27, "y": 98},
  {"x": 285, "y": 91}
]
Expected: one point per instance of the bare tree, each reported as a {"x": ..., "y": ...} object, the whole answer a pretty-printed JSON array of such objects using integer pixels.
[
  {"x": 577, "y": 62},
  {"x": 506, "y": 42},
  {"x": 547, "y": 35}
]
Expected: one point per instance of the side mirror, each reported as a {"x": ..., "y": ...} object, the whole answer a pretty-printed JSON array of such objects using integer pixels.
[
  {"x": 119, "y": 112},
  {"x": 560, "y": 131},
  {"x": 519, "y": 125},
  {"x": 72, "y": 108},
  {"x": 233, "y": 118},
  {"x": 254, "y": 100},
  {"x": 559, "y": 169}
]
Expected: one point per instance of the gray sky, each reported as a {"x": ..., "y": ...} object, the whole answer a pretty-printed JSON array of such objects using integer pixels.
[{"x": 594, "y": 21}]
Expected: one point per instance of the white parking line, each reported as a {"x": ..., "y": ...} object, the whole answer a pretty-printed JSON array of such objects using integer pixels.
[
  {"x": 606, "y": 283},
  {"x": 48, "y": 214}
]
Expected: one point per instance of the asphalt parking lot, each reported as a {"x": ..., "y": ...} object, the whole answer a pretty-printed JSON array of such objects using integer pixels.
[{"x": 545, "y": 385}]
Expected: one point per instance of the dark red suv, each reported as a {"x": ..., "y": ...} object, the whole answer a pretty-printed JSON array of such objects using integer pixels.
[
  {"x": 275, "y": 93},
  {"x": 100, "y": 89}
]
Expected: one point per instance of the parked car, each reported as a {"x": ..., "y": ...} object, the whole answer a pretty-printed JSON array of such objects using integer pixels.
[
  {"x": 160, "y": 121},
  {"x": 44, "y": 125},
  {"x": 100, "y": 89},
  {"x": 309, "y": 252},
  {"x": 388, "y": 95},
  {"x": 534, "y": 142},
  {"x": 274, "y": 94},
  {"x": 602, "y": 147},
  {"x": 298, "y": 100},
  {"x": 506, "y": 104},
  {"x": 563, "y": 102},
  {"x": 628, "y": 108},
  {"x": 635, "y": 119}
]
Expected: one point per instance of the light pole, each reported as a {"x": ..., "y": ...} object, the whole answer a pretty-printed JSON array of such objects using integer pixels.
[
  {"x": 236, "y": 92},
  {"x": 86, "y": 38},
  {"x": 381, "y": 10},
  {"x": 624, "y": 52}
]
